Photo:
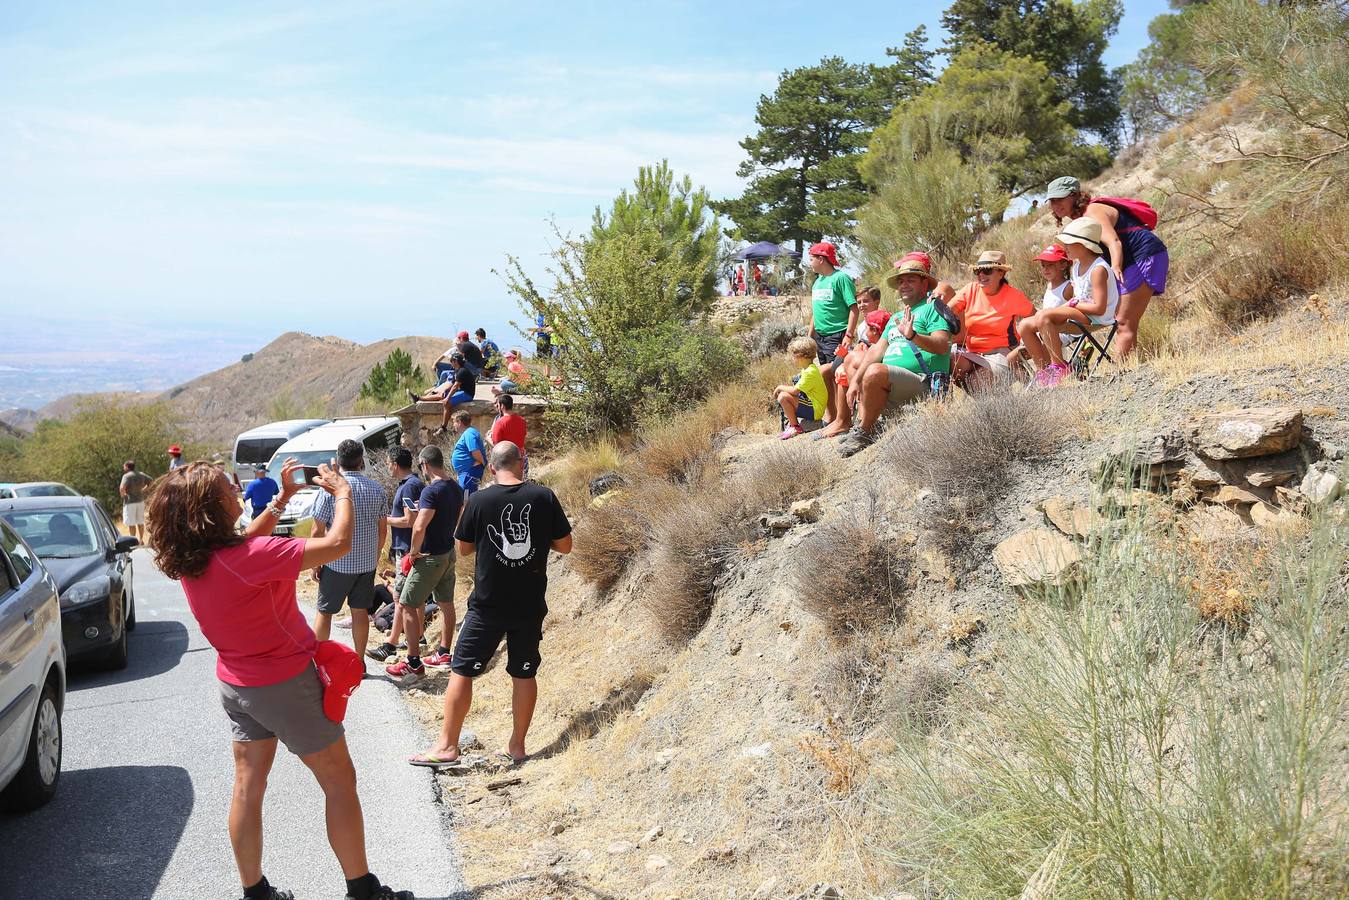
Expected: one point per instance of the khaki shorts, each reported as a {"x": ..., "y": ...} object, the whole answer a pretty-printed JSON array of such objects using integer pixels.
[
  {"x": 995, "y": 360},
  {"x": 905, "y": 386},
  {"x": 133, "y": 513},
  {"x": 291, "y": 711},
  {"x": 430, "y": 575}
]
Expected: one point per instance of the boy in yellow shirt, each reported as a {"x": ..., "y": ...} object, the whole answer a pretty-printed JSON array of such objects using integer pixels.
[{"x": 806, "y": 399}]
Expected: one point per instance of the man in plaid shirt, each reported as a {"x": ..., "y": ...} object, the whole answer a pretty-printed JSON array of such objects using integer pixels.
[{"x": 351, "y": 579}]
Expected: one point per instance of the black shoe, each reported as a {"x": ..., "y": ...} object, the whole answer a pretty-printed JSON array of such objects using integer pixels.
[
  {"x": 277, "y": 895},
  {"x": 415, "y": 398},
  {"x": 382, "y": 652},
  {"x": 387, "y": 893}
]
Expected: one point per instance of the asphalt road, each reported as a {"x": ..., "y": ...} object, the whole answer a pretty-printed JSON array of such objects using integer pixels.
[{"x": 145, "y": 785}]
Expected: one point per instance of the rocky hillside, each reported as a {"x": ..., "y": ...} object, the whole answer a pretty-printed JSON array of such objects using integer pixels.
[{"x": 297, "y": 374}]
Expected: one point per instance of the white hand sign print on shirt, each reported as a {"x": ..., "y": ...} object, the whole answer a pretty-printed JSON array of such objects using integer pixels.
[{"x": 513, "y": 538}]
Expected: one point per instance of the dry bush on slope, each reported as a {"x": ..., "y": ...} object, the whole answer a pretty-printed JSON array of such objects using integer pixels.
[
  {"x": 848, "y": 577},
  {"x": 782, "y": 475},
  {"x": 966, "y": 449}
]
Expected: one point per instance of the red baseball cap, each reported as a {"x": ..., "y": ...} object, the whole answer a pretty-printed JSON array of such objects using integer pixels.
[
  {"x": 176, "y": 450},
  {"x": 405, "y": 564},
  {"x": 341, "y": 670},
  {"x": 1052, "y": 253},
  {"x": 463, "y": 335},
  {"x": 827, "y": 250},
  {"x": 878, "y": 319}
]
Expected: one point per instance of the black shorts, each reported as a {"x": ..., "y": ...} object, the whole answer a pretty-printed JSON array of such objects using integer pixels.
[
  {"x": 826, "y": 344},
  {"x": 357, "y": 591},
  {"x": 480, "y": 636},
  {"x": 543, "y": 348}
]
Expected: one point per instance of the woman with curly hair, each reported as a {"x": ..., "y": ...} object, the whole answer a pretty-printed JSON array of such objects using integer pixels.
[
  {"x": 1133, "y": 252},
  {"x": 241, "y": 588}
]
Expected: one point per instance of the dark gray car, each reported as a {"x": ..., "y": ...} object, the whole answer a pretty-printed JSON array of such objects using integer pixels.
[{"x": 91, "y": 562}]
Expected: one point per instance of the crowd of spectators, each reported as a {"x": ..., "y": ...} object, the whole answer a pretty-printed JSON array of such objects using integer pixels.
[{"x": 1102, "y": 269}]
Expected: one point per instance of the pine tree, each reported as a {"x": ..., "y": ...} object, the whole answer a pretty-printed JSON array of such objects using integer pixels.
[
  {"x": 388, "y": 380},
  {"x": 1069, "y": 37},
  {"x": 802, "y": 162},
  {"x": 680, "y": 215}
]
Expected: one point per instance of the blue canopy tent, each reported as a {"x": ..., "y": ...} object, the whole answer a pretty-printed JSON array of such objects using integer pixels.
[{"x": 764, "y": 250}]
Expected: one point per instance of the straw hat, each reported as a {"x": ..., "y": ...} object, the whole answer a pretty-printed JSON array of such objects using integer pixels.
[
  {"x": 912, "y": 264},
  {"x": 992, "y": 259},
  {"x": 1085, "y": 231}
]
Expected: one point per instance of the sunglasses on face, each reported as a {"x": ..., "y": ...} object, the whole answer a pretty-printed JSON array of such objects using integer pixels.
[{"x": 984, "y": 271}]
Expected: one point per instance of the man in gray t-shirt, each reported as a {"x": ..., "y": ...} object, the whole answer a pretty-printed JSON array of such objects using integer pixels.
[{"x": 135, "y": 485}]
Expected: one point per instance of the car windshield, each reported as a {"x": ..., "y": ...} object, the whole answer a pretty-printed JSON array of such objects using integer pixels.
[
  {"x": 55, "y": 533},
  {"x": 306, "y": 458},
  {"x": 44, "y": 490}
]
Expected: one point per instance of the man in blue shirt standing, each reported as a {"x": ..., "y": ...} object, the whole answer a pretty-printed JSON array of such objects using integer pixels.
[
  {"x": 470, "y": 454},
  {"x": 260, "y": 491}
]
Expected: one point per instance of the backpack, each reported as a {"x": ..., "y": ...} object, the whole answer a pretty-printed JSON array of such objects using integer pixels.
[{"x": 1140, "y": 209}]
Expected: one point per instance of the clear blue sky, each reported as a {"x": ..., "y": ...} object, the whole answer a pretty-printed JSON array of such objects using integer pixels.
[{"x": 356, "y": 167}]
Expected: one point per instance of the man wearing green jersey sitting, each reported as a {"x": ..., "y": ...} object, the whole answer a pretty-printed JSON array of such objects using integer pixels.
[{"x": 914, "y": 350}]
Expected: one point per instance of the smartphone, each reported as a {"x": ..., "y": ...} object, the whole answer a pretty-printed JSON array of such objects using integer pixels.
[
  {"x": 309, "y": 474},
  {"x": 409, "y": 503}
]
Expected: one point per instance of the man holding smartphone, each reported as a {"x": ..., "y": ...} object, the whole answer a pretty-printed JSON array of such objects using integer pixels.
[
  {"x": 402, "y": 514},
  {"x": 351, "y": 579},
  {"x": 432, "y": 552}
]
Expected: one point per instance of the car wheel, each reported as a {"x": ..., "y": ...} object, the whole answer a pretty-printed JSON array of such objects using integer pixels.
[
  {"x": 36, "y": 780},
  {"x": 130, "y": 610},
  {"x": 117, "y": 653}
]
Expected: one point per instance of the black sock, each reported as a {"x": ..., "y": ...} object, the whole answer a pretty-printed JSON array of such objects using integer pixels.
[
  {"x": 442, "y": 650},
  {"x": 361, "y": 888},
  {"x": 414, "y": 661},
  {"x": 260, "y": 891}
]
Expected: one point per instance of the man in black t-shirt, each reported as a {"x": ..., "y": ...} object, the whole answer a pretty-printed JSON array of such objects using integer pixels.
[{"x": 511, "y": 526}]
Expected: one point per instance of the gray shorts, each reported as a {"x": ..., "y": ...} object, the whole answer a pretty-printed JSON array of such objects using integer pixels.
[
  {"x": 905, "y": 386},
  {"x": 358, "y": 591},
  {"x": 291, "y": 711}
]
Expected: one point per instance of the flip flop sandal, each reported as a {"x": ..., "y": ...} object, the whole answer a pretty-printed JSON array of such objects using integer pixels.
[
  {"x": 504, "y": 757},
  {"x": 428, "y": 761}
]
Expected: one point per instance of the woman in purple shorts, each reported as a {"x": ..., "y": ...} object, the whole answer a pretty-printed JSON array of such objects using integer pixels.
[{"x": 1137, "y": 255}]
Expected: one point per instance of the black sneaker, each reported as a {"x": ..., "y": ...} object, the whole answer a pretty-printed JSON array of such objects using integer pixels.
[
  {"x": 387, "y": 893},
  {"x": 277, "y": 895},
  {"x": 382, "y": 652},
  {"x": 413, "y": 395}
]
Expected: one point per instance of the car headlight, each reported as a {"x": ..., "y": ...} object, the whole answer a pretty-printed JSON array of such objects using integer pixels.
[{"x": 87, "y": 591}]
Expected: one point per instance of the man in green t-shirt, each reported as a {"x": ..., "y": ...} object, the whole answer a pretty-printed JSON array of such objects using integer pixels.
[
  {"x": 915, "y": 345},
  {"x": 833, "y": 317}
]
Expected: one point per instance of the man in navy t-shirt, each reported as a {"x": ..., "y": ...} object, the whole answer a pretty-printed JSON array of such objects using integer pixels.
[
  {"x": 260, "y": 491},
  {"x": 402, "y": 514}
]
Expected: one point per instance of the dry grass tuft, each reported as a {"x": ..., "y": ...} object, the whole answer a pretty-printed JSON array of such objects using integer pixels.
[
  {"x": 691, "y": 546},
  {"x": 782, "y": 475},
  {"x": 965, "y": 450},
  {"x": 848, "y": 577},
  {"x": 845, "y": 766},
  {"x": 607, "y": 539},
  {"x": 964, "y": 626},
  {"x": 570, "y": 476}
]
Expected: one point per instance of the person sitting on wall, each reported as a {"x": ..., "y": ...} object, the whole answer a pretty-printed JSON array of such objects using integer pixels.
[{"x": 460, "y": 388}]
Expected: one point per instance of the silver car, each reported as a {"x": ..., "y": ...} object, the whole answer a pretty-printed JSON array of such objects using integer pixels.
[{"x": 32, "y": 676}]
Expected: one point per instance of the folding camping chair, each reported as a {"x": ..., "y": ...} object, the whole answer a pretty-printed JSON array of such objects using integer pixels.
[{"x": 1084, "y": 350}]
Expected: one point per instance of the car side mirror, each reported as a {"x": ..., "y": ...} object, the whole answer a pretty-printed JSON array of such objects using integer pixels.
[{"x": 125, "y": 544}]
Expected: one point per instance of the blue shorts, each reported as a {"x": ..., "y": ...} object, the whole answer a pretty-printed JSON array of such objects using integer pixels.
[
  {"x": 1150, "y": 269},
  {"x": 458, "y": 397},
  {"x": 469, "y": 483},
  {"x": 804, "y": 410}
]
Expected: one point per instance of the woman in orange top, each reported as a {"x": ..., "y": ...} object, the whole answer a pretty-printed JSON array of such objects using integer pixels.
[{"x": 989, "y": 309}]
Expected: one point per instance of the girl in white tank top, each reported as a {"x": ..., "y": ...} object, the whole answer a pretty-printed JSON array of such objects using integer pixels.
[{"x": 1082, "y": 288}]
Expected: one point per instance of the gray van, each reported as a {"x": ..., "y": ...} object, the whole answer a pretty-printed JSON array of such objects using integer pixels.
[{"x": 256, "y": 446}]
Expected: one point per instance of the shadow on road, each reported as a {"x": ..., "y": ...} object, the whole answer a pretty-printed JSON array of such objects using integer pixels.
[
  {"x": 154, "y": 648},
  {"x": 108, "y": 833}
]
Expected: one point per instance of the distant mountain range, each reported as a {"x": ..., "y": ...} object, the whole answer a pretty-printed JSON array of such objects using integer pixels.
[{"x": 297, "y": 371}]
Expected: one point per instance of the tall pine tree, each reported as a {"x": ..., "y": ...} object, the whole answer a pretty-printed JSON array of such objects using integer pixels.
[
  {"x": 802, "y": 162},
  {"x": 1068, "y": 36}
]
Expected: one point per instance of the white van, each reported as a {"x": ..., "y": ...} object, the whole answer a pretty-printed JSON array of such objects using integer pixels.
[
  {"x": 256, "y": 446},
  {"x": 320, "y": 446}
]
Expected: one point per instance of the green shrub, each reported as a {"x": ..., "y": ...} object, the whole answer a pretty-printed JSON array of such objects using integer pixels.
[
  {"x": 87, "y": 450},
  {"x": 389, "y": 381},
  {"x": 1160, "y": 756}
]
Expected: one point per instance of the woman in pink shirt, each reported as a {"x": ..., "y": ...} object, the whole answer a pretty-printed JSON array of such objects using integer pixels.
[{"x": 241, "y": 588}]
